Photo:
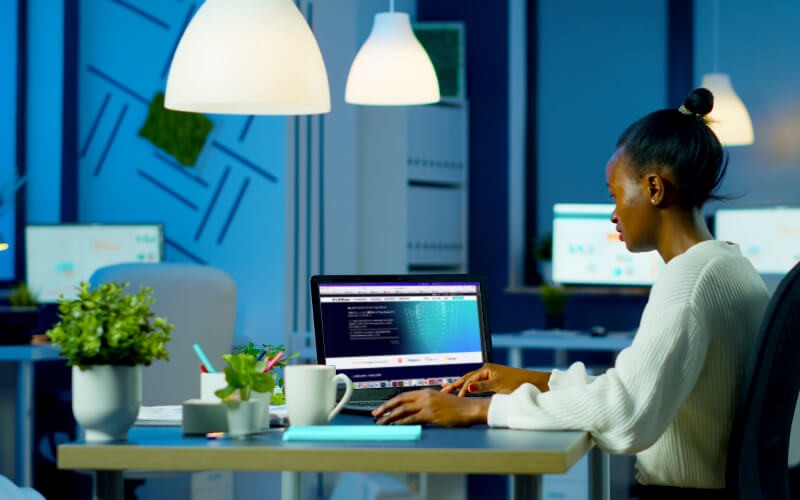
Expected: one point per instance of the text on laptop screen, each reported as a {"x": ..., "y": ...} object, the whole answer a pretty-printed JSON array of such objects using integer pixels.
[
  {"x": 769, "y": 237},
  {"x": 587, "y": 249},
  {"x": 401, "y": 334},
  {"x": 59, "y": 257}
]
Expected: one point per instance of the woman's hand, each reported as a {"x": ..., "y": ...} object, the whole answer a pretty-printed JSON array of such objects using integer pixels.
[
  {"x": 433, "y": 407},
  {"x": 497, "y": 378}
]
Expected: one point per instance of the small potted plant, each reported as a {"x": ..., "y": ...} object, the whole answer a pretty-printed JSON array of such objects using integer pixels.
[
  {"x": 554, "y": 300},
  {"x": 246, "y": 376},
  {"x": 106, "y": 336},
  {"x": 19, "y": 321},
  {"x": 267, "y": 353},
  {"x": 22, "y": 296}
]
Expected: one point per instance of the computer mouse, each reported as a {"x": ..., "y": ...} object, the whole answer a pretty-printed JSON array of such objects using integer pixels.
[{"x": 597, "y": 331}]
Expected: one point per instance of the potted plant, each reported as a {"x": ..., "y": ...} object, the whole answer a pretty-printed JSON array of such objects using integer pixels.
[
  {"x": 19, "y": 321},
  {"x": 106, "y": 336},
  {"x": 554, "y": 300},
  {"x": 269, "y": 352},
  {"x": 247, "y": 376},
  {"x": 22, "y": 296}
]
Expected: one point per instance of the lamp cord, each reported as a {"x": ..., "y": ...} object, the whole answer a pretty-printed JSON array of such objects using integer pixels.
[
  {"x": 715, "y": 46},
  {"x": 391, "y": 5}
]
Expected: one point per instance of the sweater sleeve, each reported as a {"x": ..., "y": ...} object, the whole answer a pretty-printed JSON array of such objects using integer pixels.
[
  {"x": 627, "y": 408},
  {"x": 574, "y": 375}
]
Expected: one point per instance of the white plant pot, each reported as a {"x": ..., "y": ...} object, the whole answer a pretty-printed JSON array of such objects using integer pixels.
[
  {"x": 106, "y": 400},
  {"x": 263, "y": 396},
  {"x": 246, "y": 417}
]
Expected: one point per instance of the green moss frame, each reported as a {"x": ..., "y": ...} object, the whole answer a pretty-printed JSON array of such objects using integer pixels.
[{"x": 177, "y": 133}]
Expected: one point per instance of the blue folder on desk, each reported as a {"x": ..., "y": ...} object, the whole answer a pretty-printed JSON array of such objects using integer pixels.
[{"x": 353, "y": 433}]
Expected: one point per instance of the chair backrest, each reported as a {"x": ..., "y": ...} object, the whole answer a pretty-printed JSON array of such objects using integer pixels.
[
  {"x": 759, "y": 446},
  {"x": 201, "y": 302}
]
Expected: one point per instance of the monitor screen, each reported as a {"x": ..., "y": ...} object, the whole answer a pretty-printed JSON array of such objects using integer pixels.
[
  {"x": 769, "y": 237},
  {"x": 59, "y": 257},
  {"x": 587, "y": 249}
]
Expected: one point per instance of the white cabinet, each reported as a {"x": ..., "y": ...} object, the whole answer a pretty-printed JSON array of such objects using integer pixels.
[{"x": 413, "y": 209}]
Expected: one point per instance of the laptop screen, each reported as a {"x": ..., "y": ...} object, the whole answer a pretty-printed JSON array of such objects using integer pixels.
[{"x": 397, "y": 334}]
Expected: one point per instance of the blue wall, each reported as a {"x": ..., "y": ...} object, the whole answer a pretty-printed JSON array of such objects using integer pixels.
[
  {"x": 227, "y": 210},
  {"x": 758, "y": 43},
  {"x": 8, "y": 102},
  {"x": 602, "y": 65},
  {"x": 44, "y": 116}
]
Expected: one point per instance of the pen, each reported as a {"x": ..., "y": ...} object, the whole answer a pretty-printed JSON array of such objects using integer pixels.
[
  {"x": 203, "y": 368},
  {"x": 272, "y": 362},
  {"x": 261, "y": 355},
  {"x": 203, "y": 358}
]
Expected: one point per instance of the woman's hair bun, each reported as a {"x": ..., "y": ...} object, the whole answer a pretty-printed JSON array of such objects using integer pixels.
[{"x": 700, "y": 101}]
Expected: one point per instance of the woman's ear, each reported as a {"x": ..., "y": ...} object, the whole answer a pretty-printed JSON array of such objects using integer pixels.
[{"x": 656, "y": 189}]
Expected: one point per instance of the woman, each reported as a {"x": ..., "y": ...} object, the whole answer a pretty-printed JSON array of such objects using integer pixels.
[{"x": 671, "y": 396}]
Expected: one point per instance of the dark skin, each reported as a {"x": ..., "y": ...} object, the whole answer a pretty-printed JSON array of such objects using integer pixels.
[{"x": 648, "y": 216}]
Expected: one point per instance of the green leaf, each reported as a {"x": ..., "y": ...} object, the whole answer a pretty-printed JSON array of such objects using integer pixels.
[
  {"x": 106, "y": 326},
  {"x": 225, "y": 392}
]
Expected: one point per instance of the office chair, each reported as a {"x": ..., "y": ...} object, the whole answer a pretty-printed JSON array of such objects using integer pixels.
[
  {"x": 201, "y": 302},
  {"x": 757, "y": 465}
]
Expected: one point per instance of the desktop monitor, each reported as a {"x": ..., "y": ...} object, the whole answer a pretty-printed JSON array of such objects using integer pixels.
[
  {"x": 58, "y": 257},
  {"x": 769, "y": 237},
  {"x": 587, "y": 249}
]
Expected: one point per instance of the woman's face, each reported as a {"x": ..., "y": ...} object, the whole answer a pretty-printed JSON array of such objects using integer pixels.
[{"x": 633, "y": 211}]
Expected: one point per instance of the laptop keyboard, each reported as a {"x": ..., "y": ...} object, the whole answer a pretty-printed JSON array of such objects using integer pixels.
[{"x": 360, "y": 407}]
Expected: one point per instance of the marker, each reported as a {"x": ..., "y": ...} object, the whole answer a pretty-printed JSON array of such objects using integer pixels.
[
  {"x": 261, "y": 355},
  {"x": 271, "y": 362},
  {"x": 203, "y": 358}
]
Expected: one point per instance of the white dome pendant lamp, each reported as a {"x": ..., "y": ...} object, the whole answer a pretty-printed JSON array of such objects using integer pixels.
[
  {"x": 729, "y": 118},
  {"x": 249, "y": 57},
  {"x": 392, "y": 68}
]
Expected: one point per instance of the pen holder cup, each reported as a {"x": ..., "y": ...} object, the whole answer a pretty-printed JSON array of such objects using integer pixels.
[{"x": 210, "y": 383}]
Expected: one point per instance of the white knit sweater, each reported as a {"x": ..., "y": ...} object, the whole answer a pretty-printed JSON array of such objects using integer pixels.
[{"x": 672, "y": 394}]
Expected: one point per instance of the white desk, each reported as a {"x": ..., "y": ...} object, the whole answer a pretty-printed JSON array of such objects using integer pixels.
[
  {"x": 481, "y": 450},
  {"x": 25, "y": 356},
  {"x": 560, "y": 342}
]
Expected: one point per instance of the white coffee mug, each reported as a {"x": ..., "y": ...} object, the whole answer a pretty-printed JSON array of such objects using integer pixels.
[{"x": 311, "y": 393}]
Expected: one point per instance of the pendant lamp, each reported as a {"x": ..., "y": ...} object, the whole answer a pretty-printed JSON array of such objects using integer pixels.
[
  {"x": 729, "y": 118},
  {"x": 392, "y": 68},
  {"x": 253, "y": 57}
]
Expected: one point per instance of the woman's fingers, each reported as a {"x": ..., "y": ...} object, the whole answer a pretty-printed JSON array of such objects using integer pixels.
[
  {"x": 398, "y": 408},
  {"x": 448, "y": 388},
  {"x": 471, "y": 380}
]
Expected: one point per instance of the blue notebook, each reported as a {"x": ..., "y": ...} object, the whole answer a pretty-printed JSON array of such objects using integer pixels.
[{"x": 353, "y": 433}]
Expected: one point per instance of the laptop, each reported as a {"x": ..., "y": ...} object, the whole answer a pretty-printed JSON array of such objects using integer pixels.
[{"x": 395, "y": 333}]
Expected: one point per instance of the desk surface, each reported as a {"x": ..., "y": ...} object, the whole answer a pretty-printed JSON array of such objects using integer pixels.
[
  {"x": 470, "y": 450},
  {"x": 28, "y": 353},
  {"x": 565, "y": 339}
]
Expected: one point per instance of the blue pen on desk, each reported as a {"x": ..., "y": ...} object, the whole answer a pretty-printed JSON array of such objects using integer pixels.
[{"x": 203, "y": 358}]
